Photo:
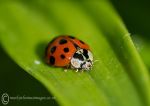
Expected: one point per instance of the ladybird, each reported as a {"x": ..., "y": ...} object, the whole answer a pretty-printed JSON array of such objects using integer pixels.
[{"x": 68, "y": 51}]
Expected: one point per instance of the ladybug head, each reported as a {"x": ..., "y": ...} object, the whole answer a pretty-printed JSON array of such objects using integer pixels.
[{"x": 82, "y": 59}]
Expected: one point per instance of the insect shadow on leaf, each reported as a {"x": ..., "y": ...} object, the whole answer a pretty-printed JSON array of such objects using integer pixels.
[{"x": 40, "y": 51}]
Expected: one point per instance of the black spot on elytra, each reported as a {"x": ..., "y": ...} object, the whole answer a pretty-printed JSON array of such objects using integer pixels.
[
  {"x": 52, "y": 60},
  {"x": 78, "y": 56},
  {"x": 53, "y": 49},
  {"x": 71, "y": 37},
  {"x": 62, "y": 56},
  {"x": 62, "y": 41},
  {"x": 66, "y": 50},
  {"x": 85, "y": 53},
  {"x": 81, "y": 41}
]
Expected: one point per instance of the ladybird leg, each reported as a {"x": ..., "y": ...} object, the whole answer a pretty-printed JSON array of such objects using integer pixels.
[
  {"x": 82, "y": 71},
  {"x": 77, "y": 70},
  {"x": 65, "y": 70}
]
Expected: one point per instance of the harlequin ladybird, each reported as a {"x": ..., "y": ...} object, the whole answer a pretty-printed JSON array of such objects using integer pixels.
[{"x": 70, "y": 52}]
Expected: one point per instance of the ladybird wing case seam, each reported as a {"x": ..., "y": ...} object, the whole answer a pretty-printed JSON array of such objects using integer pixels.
[{"x": 78, "y": 43}]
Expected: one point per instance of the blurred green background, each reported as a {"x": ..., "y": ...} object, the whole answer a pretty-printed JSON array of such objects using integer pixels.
[{"x": 15, "y": 81}]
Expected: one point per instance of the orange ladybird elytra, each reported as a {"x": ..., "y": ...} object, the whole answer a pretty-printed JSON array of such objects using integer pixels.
[{"x": 68, "y": 51}]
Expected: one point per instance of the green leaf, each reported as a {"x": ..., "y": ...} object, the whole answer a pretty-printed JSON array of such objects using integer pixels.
[
  {"x": 142, "y": 46},
  {"x": 119, "y": 78}
]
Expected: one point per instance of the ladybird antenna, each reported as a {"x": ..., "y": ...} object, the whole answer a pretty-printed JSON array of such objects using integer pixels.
[{"x": 96, "y": 61}]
